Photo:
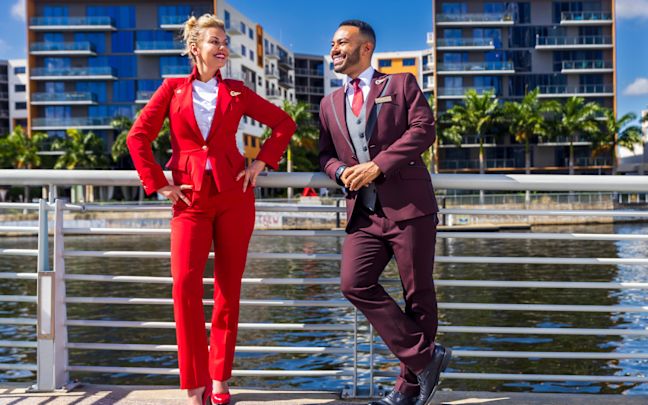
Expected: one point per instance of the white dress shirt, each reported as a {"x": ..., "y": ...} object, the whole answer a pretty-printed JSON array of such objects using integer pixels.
[
  {"x": 365, "y": 81},
  {"x": 204, "y": 105}
]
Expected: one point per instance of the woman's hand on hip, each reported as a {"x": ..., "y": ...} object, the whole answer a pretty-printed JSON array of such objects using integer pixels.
[
  {"x": 251, "y": 173},
  {"x": 174, "y": 193}
]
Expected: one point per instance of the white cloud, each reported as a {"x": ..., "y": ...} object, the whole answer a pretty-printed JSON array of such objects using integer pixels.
[
  {"x": 632, "y": 9},
  {"x": 18, "y": 10},
  {"x": 637, "y": 88}
]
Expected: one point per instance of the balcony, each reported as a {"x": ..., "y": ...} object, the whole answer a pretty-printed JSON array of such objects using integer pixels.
[
  {"x": 175, "y": 71},
  {"x": 430, "y": 39},
  {"x": 465, "y": 44},
  {"x": 74, "y": 73},
  {"x": 143, "y": 96},
  {"x": 318, "y": 90},
  {"x": 428, "y": 85},
  {"x": 428, "y": 66},
  {"x": 173, "y": 22},
  {"x": 271, "y": 73},
  {"x": 467, "y": 164},
  {"x": 476, "y": 68},
  {"x": 61, "y": 124},
  {"x": 480, "y": 20},
  {"x": 287, "y": 82},
  {"x": 271, "y": 54},
  {"x": 447, "y": 93},
  {"x": 72, "y": 24},
  {"x": 565, "y": 43},
  {"x": 587, "y": 90},
  {"x": 273, "y": 94},
  {"x": 587, "y": 66},
  {"x": 308, "y": 72},
  {"x": 233, "y": 27},
  {"x": 563, "y": 140},
  {"x": 65, "y": 98},
  {"x": 586, "y": 18},
  {"x": 590, "y": 162},
  {"x": 286, "y": 61},
  {"x": 159, "y": 47},
  {"x": 62, "y": 49}
]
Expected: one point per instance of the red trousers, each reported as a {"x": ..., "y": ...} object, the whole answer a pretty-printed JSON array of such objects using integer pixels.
[{"x": 227, "y": 220}]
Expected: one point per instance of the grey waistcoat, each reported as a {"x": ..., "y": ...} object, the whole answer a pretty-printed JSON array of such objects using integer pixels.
[{"x": 356, "y": 126}]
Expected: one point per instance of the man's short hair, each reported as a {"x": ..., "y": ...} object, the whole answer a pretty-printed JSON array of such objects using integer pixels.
[{"x": 364, "y": 27}]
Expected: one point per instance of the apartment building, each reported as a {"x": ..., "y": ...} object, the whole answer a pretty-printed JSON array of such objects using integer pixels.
[
  {"x": 90, "y": 62},
  {"x": 561, "y": 48},
  {"x": 4, "y": 97},
  {"x": 17, "y": 81},
  {"x": 309, "y": 81}
]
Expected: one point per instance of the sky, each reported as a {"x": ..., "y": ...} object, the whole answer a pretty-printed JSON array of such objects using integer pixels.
[{"x": 306, "y": 26}]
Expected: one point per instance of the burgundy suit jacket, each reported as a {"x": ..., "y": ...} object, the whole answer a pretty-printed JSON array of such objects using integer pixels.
[
  {"x": 404, "y": 129},
  {"x": 191, "y": 151}
]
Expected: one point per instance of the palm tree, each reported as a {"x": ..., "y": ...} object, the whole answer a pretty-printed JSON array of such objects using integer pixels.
[
  {"x": 80, "y": 150},
  {"x": 526, "y": 121},
  {"x": 616, "y": 132},
  {"x": 19, "y": 150},
  {"x": 475, "y": 116},
  {"x": 161, "y": 145},
  {"x": 576, "y": 117},
  {"x": 304, "y": 140}
]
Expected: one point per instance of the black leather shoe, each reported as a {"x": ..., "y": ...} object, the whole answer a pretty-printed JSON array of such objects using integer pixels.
[
  {"x": 395, "y": 398},
  {"x": 428, "y": 379}
]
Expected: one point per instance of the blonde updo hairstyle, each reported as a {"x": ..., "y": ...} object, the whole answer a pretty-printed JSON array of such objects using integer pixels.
[{"x": 194, "y": 29}]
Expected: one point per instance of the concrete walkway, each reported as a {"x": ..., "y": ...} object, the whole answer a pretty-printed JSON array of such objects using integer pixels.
[{"x": 125, "y": 395}]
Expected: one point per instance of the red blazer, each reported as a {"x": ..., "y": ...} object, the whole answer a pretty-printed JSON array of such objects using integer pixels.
[
  {"x": 191, "y": 151},
  {"x": 404, "y": 129}
]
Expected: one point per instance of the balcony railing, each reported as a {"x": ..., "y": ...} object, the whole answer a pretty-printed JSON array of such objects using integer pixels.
[
  {"x": 573, "y": 42},
  {"x": 173, "y": 22},
  {"x": 310, "y": 89},
  {"x": 271, "y": 73},
  {"x": 474, "y": 19},
  {"x": 564, "y": 140},
  {"x": 175, "y": 71},
  {"x": 476, "y": 67},
  {"x": 71, "y": 73},
  {"x": 474, "y": 164},
  {"x": 72, "y": 23},
  {"x": 44, "y": 124},
  {"x": 460, "y": 92},
  {"x": 63, "y": 98},
  {"x": 143, "y": 96},
  {"x": 62, "y": 48},
  {"x": 286, "y": 82},
  {"x": 273, "y": 93},
  {"x": 585, "y": 17},
  {"x": 233, "y": 27},
  {"x": 159, "y": 47},
  {"x": 588, "y": 161},
  {"x": 286, "y": 61},
  {"x": 430, "y": 38},
  {"x": 578, "y": 66},
  {"x": 308, "y": 72},
  {"x": 486, "y": 43},
  {"x": 568, "y": 91},
  {"x": 271, "y": 54}
]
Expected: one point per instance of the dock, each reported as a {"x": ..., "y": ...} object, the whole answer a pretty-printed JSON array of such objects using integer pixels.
[{"x": 156, "y": 395}]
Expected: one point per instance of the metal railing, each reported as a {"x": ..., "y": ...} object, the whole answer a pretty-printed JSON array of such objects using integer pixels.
[
  {"x": 585, "y": 16},
  {"x": 465, "y": 42},
  {"x": 159, "y": 46},
  {"x": 61, "y": 46},
  {"x": 71, "y": 21},
  {"x": 52, "y": 346},
  {"x": 82, "y": 96},
  {"x": 586, "y": 64},
  {"x": 473, "y": 17},
  {"x": 475, "y": 66},
  {"x": 573, "y": 41},
  {"x": 73, "y": 71}
]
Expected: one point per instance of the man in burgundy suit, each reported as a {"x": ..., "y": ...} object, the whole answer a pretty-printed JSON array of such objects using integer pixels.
[{"x": 373, "y": 132}]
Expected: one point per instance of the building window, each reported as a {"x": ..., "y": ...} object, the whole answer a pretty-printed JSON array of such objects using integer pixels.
[
  {"x": 243, "y": 50},
  {"x": 409, "y": 62},
  {"x": 21, "y": 105},
  {"x": 336, "y": 82},
  {"x": 250, "y": 33},
  {"x": 19, "y": 70},
  {"x": 252, "y": 55},
  {"x": 20, "y": 88},
  {"x": 384, "y": 63},
  {"x": 243, "y": 27}
]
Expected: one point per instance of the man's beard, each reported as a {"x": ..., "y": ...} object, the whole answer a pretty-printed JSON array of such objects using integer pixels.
[{"x": 350, "y": 60}]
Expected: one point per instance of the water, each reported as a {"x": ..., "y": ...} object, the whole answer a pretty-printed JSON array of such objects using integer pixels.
[{"x": 287, "y": 268}]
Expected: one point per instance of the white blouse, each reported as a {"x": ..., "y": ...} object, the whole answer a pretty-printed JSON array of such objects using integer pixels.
[{"x": 204, "y": 105}]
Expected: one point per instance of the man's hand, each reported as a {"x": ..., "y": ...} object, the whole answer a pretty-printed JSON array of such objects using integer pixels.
[
  {"x": 251, "y": 173},
  {"x": 358, "y": 176},
  {"x": 174, "y": 193}
]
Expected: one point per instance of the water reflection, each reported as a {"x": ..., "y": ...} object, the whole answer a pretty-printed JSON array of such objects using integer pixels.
[{"x": 345, "y": 316}]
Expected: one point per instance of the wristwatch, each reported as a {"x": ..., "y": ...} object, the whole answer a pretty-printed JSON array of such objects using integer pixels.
[{"x": 338, "y": 175}]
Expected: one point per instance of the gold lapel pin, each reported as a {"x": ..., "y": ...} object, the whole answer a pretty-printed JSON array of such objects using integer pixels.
[
  {"x": 379, "y": 81},
  {"x": 234, "y": 93}
]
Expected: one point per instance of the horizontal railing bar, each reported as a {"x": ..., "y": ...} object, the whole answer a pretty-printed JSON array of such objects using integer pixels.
[
  {"x": 496, "y": 330},
  {"x": 18, "y": 321},
  {"x": 19, "y": 252},
  {"x": 166, "y": 231},
  {"x": 14, "y": 343},
  {"x": 336, "y": 281},
  {"x": 19, "y": 206},
  {"x": 541, "y": 307},
  {"x": 337, "y": 257},
  {"x": 538, "y": 355},
  {"x": 21, "y": 367},
  {"x": 235, "y": 373},
  {"x": 18, "y": 298},
  {"x": 16, "y": 229},
  {"x": 239, "y": 349},
  {"x": 241, "y": 326},
  {"x": 18, "y": 276},
  {"x": 169, "y": 301},
  {"x": 529, "y": 377},
  {"x": 560, "y": 213}
]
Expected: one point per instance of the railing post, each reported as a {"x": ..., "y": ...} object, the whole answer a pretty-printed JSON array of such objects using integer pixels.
[
  {"x": 371, "y": 361},
  {"x": 52, "y": 355},
  {"x": 354, "y": 392}
]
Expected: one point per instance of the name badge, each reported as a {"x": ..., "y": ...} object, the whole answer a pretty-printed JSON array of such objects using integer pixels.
[{"x": 385, "y": 99}]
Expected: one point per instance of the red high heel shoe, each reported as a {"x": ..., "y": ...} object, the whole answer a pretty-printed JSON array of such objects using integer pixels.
[
  {"x": 207, "y": 394},
  {"x": 221, "y": 399}
]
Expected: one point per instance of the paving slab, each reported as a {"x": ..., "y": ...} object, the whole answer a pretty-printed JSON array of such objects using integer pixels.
[{"x": 153, "y": 395}]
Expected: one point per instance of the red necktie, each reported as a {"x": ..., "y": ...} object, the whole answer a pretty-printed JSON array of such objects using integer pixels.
[{"x": 358, "y": 98}]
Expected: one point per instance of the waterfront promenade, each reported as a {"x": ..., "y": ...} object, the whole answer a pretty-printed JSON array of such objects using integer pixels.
[{"x": 123, "y": 395}]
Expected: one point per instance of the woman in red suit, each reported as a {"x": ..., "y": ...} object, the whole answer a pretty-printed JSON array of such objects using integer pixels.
[{"x": 212, "y": 195}]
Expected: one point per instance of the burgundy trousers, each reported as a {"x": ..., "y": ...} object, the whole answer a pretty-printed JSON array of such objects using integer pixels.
[
  {"x": 372, "y": 241},
  {"x": 225, "y": 219}
]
